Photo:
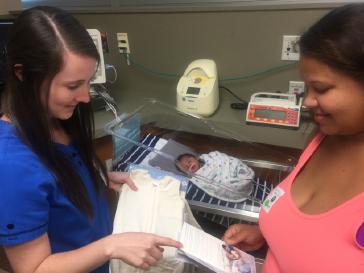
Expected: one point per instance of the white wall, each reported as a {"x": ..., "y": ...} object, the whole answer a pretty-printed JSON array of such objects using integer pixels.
[{"x": 8, "y": 5}]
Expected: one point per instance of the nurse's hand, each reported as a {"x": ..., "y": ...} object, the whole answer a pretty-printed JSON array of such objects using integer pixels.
[
  {"x": 244, "y": 236},
  {"x": 139, "y": 249},
  {"x": 117, "y": 179}
]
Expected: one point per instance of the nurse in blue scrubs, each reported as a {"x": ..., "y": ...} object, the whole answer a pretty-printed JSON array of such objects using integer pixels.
[{"x": 54, "y": 214}]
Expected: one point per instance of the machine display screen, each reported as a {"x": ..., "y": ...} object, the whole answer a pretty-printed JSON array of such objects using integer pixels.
[
  {"x": 262, "y": 113},
  {"x": 193, "y": 91}
]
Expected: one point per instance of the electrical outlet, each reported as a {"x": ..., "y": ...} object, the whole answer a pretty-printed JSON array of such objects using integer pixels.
[
  {"x": 123, "y": 42},
  {"x": 290, "y": 48},
  {"x": 296, "y": 87}
]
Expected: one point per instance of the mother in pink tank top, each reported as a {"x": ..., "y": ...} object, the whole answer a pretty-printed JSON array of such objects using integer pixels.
[{"x": 313, "y": 221}]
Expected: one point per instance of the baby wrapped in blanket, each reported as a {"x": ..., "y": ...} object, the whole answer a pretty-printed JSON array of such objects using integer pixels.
[{"x": 222, "y": 176}]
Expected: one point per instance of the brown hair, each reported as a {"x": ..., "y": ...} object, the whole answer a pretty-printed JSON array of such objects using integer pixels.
[
  {"x": 337, "y": 40},
  {"x": 37, "y": 41}
]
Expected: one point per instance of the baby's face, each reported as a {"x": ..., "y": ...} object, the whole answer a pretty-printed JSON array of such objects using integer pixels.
[{"x": 189, "y": 164}]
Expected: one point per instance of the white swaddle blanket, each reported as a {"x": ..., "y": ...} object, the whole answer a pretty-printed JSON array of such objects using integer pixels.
[
  {"x": 155, "y": 208},
  {"x": 224, "y": 177}
]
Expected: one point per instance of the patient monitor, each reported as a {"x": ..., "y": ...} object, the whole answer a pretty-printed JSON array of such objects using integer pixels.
[
  {"x": 100, "y": 76},
  {"x": 198, "y": 88}
]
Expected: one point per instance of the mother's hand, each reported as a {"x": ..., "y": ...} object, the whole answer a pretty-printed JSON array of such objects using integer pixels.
[
  {"x": 117, "y": 179},
  {"x": 244, "y": 236}
]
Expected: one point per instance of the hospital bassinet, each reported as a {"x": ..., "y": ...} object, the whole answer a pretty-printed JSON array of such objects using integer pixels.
[{"x": 139, "y": 138}]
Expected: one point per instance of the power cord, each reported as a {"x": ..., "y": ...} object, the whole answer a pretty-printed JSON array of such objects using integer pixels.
[
  {"x": 149, "y": 70},
  {"x": 231, "y": 92},
  {"x": 260, "y": 73},
  {"x": 241, "y": 105},
  {"x": 111, "y": 105},
  {"x": 225, "y": 79}
]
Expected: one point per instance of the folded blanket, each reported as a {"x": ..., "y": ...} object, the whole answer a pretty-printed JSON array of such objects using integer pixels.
[
  {"x": 224, "y": 177},
  {"x": 157, "y": 208}
]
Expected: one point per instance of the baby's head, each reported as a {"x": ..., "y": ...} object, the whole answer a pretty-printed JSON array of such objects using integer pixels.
[{"x": 188, "y": 163}]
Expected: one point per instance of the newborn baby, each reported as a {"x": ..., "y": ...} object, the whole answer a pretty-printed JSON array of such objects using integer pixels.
[
  {"x": 222, "y": 176},
  {"x": 188, "y": 163}
]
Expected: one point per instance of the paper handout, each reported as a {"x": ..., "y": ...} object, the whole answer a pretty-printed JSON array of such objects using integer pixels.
[{"x": 209, "y": 251}]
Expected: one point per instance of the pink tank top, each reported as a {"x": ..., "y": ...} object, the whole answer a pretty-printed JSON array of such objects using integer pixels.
[{"x": 300, "y": 243}]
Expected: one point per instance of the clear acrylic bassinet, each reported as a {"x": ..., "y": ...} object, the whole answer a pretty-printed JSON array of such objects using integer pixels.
[{"x": 155, "y": 134}]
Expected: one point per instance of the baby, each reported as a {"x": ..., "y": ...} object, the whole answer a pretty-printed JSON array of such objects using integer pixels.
[
  {"x": 188, "y": 163},
  {"x": 222, "y": 176}
]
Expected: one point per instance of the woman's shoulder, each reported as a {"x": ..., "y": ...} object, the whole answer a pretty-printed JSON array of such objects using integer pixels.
[
  {"x": 18, "y": 160},
  {"x": 310, "y": 149},
  {"x": 13, "y": 149}
]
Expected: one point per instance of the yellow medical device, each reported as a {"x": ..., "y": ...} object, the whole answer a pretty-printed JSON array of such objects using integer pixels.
[{"x": 198, "y": 88}]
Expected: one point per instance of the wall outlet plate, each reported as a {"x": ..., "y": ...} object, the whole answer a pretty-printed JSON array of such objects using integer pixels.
[
  {"x": 290, "y": 48},
  {"x": 123, "y": 42},
  {"x": 296, "y": 87}
]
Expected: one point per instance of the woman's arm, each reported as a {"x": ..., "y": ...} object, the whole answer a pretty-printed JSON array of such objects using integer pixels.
[{"x": 137, "y": 249}]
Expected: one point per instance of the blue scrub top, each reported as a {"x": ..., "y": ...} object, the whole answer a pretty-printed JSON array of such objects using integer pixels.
[{"x": 32, "y": 203}]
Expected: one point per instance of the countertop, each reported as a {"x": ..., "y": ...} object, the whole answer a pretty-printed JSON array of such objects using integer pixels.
[{"x": 232, "y": 121}]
